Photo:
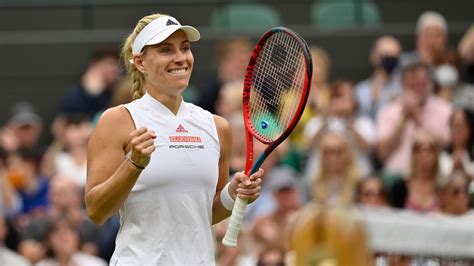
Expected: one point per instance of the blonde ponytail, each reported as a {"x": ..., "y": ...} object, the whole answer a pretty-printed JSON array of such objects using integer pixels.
[{"x": 137, "y": 77}]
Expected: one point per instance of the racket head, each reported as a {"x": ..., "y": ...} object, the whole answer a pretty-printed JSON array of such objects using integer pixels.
[{"x": 276, "y": 85}]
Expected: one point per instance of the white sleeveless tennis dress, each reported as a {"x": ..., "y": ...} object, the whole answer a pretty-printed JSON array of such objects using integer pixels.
[{"x": 166, "y": 219}]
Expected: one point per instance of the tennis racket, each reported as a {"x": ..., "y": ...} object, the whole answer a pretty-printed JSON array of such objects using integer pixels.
[{"x": 276, "y": 87}]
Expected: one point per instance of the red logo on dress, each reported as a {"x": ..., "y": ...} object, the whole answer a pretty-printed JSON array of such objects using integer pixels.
[{"x": 181, "y": 129}]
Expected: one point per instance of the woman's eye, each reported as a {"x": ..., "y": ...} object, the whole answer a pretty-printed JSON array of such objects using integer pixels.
[
  {"x": 165, "y": 50},
  {"x": 186, "y": 48}
]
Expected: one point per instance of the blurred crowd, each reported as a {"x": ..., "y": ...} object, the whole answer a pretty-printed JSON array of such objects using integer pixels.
[{"x": 401, "y": 138}]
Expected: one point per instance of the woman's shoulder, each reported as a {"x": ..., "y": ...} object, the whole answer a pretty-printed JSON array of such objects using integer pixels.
[
  {"x": 221, "y": 123},
  {"x": 114, "y": 122},
  {"x": 115, "y": 116}
]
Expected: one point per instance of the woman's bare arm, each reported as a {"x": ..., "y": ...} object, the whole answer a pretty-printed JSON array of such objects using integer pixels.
[{"x": 110, "y": 177}]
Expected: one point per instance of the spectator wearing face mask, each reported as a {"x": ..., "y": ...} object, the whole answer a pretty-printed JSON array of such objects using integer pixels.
[
  {"x": 384, "y": 83},
  {"x": 449, "y": 83}
]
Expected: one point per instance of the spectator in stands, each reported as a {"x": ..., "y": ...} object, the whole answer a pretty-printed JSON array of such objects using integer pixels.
[
  {"x": 232, "y": 59},
  {"x": 446, "y": 80},
  {"x": 7, "y": 256},
  {"x": 466, "y": 51},
  {"x": 449, "y": 84},
  {"x": 71, "y": 162},
  {"x": 229, "y": 101},
  {"x": 121, "y": 94},
  {"x": 24, "y": 128},
  {"x": 418, "y": 191},
  {"x": 271, "y": 230},
  {"x": 10, "y": 203},
  {"x": 416, "y": 108},
  {"x": 384, "y": 83},
  {"x": 319, "y": 96},
  {"x": 459, "y": 155},
  {"x": 63, "y": 242},
  {"x": 271, "y": 257},
  {"x": 66, "y": 198},
  {"x": 337, "y": 177},
  {"x": 431, "y": 38},
  {"x": 454, "y": 194},
  {"x": 93, "y": 93},
  {"x": 23, "y": 172},
  {"x": 371, "y": 192},
  {"x": 342, "y": 117}
]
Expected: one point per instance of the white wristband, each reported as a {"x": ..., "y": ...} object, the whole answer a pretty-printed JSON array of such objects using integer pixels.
[{"x": 226, "y": 199}]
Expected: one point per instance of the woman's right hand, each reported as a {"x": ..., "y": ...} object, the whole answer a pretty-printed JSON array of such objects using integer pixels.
[{"x": 143, "y": 145}]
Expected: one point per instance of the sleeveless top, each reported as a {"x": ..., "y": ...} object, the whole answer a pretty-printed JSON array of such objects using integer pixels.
[{"x": 167, "y": 217}]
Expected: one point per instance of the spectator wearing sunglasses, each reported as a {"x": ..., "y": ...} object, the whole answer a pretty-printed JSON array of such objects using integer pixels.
[{"x": 454, "y": 194}]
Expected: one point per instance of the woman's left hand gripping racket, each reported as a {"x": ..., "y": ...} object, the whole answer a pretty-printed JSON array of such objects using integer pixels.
[{"x": 276, "y": 89}]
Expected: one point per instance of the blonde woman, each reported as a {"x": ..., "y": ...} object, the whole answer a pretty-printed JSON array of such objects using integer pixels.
[
  {"x": 418, "y": 191},
  {"x": 336, "y": 181},
  {"x": 162, "y": 162}
]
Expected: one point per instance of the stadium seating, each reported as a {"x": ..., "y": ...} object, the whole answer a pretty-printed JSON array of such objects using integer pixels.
[
  {"x": 245, "y": 17},
  {"x": 344, "y": 14}
]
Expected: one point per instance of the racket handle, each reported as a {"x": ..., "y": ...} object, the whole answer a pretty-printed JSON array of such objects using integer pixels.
[{"x": 230, "y": 238}]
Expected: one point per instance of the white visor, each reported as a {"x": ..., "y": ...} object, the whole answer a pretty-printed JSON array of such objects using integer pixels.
[{"x": 160, "y": 29}]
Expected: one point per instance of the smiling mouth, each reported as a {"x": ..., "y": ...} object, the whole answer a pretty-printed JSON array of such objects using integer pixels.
[{"x": 179, "y": 71}]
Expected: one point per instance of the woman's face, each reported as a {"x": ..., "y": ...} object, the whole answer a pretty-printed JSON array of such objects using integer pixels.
[
  {"x": 460, "y": 129},
  {"x": 77, "y": 135},
  {"x": 343, "y": 104},
  {"x": 425, "y": 155},
  {"x": 168, "y": 65},
  {"x": 334, "y": 153},
  {"x": 455, "y": 197},
  {"x": 64, "y": 241},
  {"x": 372, "y": 193}
]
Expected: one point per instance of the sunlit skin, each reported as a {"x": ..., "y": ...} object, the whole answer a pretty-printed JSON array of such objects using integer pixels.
[{"x": 168, "y": 68}]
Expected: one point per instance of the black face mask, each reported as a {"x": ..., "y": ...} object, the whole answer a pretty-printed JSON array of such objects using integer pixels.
[{"x": 389, "y": 63}]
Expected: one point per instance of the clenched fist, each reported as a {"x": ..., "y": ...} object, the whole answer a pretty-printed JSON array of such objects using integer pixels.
[{"x": 143, "y": 144}]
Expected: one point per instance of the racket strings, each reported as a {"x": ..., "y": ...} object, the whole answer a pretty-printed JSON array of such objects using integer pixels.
[{"x": 277, "y": 85}]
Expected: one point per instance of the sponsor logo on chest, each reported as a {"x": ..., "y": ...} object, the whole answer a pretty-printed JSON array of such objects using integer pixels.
[{"x": 184, "y": 141}]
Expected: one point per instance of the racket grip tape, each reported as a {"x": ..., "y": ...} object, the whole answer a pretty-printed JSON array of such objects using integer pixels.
[{"x": 236, "y": 218}]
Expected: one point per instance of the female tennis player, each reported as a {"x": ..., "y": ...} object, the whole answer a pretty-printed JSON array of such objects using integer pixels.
[{"x": 162, "y": 162}]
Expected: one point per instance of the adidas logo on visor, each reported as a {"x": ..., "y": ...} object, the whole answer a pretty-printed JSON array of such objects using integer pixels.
[{"x": 170, "y": 22}]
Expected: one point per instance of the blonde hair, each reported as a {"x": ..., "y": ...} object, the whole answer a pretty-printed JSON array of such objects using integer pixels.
[
  {"x": 322, "y": 55},
  {"x": 349, "y": 183},
  {"x": 137, "y": 77},
  {"x": 422, "y": 136}
]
